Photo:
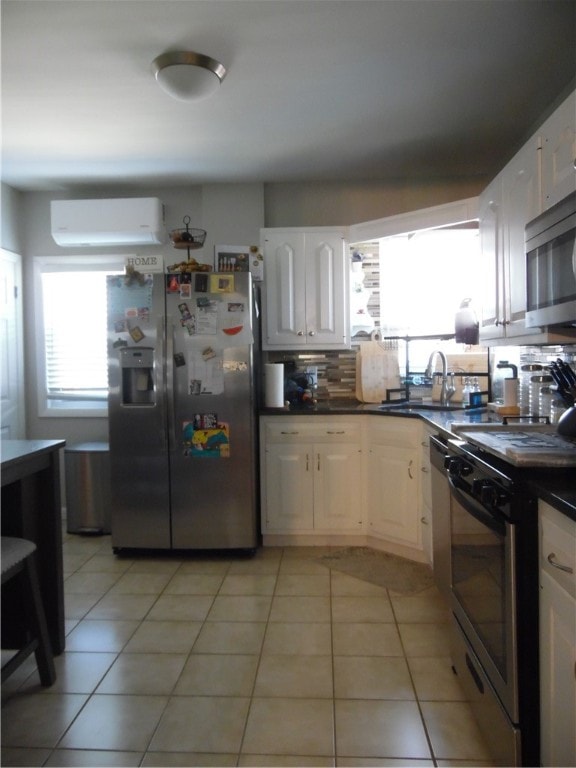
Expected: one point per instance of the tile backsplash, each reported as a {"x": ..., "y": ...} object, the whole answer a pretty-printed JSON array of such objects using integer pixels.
[{"x": 337, "y": 370}]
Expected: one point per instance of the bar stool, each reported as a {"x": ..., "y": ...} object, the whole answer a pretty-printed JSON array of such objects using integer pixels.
[{"x": 18, "y": 558}]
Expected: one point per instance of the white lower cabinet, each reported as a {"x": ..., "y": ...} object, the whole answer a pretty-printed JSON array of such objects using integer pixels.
[
  {"x": 357, "y": 477},
  {"x": 311, "y": 475},
  {"x": 393, "y": 478},
  {"x": 426, "y": 491},
  {"x": 557, "y": 637}
]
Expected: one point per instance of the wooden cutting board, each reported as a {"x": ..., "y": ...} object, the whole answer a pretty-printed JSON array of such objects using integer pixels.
[{"x": 376, "y": 371}]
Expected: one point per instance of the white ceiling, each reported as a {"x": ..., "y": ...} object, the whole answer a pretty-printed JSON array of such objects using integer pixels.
[{"x": 316, "y": 89}]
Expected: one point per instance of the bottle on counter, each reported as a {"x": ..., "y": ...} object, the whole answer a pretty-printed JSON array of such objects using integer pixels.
[
  {"x": 526, "y": 372},
  {"x": 466, "y": 392},
  {"x": 536, "y": 384},
  {"x": 557, "y": 406},
  {"x": 545, "y": 401}
]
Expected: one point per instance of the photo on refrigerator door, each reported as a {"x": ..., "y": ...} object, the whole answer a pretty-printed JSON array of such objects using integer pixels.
[{"x": 205, "y": 437}]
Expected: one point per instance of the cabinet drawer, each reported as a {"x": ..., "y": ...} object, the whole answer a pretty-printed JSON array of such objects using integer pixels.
[
  {"x": 396, "y": 432},
  {"x": 558, "y": 547},
  {"x": 290, "y": 430}
]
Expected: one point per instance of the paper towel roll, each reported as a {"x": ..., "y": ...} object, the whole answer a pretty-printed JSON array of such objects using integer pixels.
[
  {"x": 274, "y": 385},
  {"x": 510, "y": 391}
]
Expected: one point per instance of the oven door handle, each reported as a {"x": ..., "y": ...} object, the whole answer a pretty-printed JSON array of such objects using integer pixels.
[{"x": 491, "y": 519}]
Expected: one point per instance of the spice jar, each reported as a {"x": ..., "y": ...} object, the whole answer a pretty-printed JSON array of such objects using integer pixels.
[
  {"x": 545, "y": 401},
  {"x": 536, "y": 384},
  {"x": 526, "y": 372},
  {"x": 557, "y": 407}
]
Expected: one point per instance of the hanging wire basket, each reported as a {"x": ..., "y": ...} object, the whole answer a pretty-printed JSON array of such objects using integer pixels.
[{"x": 187, "y": 238}]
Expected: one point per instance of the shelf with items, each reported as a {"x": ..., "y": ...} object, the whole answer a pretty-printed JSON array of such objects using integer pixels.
[{"x": 188, "y": 239}]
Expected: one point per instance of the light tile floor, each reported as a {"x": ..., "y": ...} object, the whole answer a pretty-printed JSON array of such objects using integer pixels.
[{"x": 269, "y": 661}]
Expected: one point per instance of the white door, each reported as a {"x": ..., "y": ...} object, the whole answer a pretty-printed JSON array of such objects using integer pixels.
[
  {"x": 285, "y": 290},
  {"x": 289, "y": 481},
  {"x": 521, "y": 202},
  {"x": 327, "y": 312},
  {"x": 337, "y": 493},
  {"x": 11, "y": 363},
  {"x": 558, "y": 153},
  {"x": 393, "y": 494}
]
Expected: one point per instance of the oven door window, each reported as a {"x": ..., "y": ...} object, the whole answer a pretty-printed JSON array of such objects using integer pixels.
[{"x": 479, "y": 583}]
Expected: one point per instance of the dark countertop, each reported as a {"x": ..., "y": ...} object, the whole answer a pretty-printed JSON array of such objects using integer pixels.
[
  {"x": 555, "y": 486},
  {"x": 15, "y": 450},
  {"x": 21, "y": 457}
]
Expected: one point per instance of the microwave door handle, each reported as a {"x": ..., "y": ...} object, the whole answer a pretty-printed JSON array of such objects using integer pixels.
[
  {"x": 574, "y": 258},
  {"x": 492, "y": 520}
]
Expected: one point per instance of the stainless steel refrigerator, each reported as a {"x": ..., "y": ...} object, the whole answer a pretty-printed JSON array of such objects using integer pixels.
[{"x": 182, "y": 411}]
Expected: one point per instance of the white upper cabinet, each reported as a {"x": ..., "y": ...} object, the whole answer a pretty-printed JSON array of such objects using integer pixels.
[
  {"x": 559, "y": 153},
  {"x": 506, "y": 205},
  {"x": 306, "y": 296},
  {"x": 539, "y": 175}
]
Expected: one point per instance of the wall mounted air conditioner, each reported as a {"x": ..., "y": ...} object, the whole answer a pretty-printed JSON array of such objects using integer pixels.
[{"x": 121, "y": 221}]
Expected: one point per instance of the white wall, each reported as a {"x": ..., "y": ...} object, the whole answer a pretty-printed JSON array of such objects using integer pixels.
[
  {"x": 230, "y": 213},
  {"x": 11, "y": 231},
  {"x": 326, "y": 204}
]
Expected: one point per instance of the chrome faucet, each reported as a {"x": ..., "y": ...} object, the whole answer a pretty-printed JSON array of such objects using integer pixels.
[{"x": 448, "y": 389}]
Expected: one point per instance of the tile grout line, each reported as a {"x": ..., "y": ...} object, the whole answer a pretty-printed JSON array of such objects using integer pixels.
[
  {"x": 170, "y": 695},
  {"x": 416, "y": 697},
  {"x": 251, "y": 697},
  {"x": 334, "y": 734}
]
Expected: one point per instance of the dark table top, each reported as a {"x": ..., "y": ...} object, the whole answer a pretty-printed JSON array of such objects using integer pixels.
[
  {"x": 15, "y": 453},
  {"x": 13, "y": 450}
]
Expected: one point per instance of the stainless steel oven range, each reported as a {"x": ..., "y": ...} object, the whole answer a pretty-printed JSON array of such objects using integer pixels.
[{"x": 494, "y": 596}]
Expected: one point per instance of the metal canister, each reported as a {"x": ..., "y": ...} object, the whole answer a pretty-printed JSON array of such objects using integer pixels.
[
  {"x": 526, "y": 372},
  {"x": 545, "y": 401},
  {"x": 557, "y": 407},
  {"x": 536, "y": 384}
]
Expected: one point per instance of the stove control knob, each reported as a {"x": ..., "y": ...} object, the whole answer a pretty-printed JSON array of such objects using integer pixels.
[
  {"x": 489, "y": 493},
  {"x": 457, "y": 467}
]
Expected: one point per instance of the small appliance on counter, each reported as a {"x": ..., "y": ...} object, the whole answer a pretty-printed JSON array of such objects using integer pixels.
[{"x": 299, "y": 387}]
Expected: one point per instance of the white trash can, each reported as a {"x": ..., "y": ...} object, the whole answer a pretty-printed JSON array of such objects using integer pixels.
[{"x": 87, "y": 469}]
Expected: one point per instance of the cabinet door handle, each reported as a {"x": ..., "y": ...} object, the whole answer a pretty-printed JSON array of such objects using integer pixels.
[
  {"x": 335, "y": 431},
  {"x": 293, "y": 432},
  {"x": 318, "y": 462},
  {"x": 410, "y": 470},
  {"x": 300, "y": 333},
  {"x": 311, "y": 333},
  {"x": 307, "y": 462},
  {"x": 565, "y": 568},
  {"x": 424, "y": 469}
]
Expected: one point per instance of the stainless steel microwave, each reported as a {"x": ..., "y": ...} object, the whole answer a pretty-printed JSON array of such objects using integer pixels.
[{"x": 551, "y": 266}]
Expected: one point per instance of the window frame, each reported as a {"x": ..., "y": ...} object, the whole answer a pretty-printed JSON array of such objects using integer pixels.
[{"x": 69, "y": 263}]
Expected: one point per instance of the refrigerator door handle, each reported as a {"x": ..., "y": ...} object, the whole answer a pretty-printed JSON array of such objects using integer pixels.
[{"x": 168, "y": 355}]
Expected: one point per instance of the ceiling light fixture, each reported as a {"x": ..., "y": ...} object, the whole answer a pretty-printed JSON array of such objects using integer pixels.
[{"x": 186, "y": 75}]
